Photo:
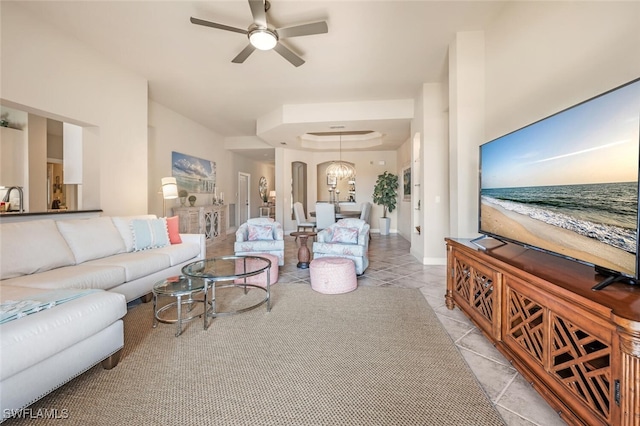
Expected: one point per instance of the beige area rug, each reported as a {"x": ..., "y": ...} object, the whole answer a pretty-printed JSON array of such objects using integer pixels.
[{"x": 375, "y": 356}]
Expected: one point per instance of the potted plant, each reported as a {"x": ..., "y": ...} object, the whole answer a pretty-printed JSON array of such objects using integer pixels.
[
  {"x": 192, "y": 200},
  {"x": 385, "y": 193}
]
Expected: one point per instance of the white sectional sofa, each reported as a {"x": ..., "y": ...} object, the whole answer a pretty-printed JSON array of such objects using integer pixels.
[{"x": 80, "y": 273}]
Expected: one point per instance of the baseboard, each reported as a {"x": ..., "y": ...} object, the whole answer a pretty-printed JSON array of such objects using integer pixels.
[
  {"x": 434, "y": 260},
  {"x": 377, "y": 231}
]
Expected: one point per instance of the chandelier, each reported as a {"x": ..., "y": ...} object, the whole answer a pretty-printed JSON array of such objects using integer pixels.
[{"x": 341, "y": 169}]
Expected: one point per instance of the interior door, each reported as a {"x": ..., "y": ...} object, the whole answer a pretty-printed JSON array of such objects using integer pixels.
[{"x": 243, "y": 197}]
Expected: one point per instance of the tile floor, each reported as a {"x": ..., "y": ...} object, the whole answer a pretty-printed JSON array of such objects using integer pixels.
[{"x": 390, "y": 264}]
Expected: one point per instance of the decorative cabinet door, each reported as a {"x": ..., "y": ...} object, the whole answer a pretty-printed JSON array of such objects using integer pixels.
[
  {"x": 207, "y": 225},
  {"x": 476, "y": 290},
  {"x": 189, "y": 220},
  {"x": 564, "y": 343},
  {"x": 207, "y": 220}
]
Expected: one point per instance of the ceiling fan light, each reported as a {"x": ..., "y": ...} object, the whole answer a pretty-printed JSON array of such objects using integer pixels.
[{"x": 263, "y": 39}]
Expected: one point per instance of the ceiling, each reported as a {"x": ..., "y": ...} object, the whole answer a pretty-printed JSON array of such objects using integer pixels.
[{"x": 374, "y": 51}]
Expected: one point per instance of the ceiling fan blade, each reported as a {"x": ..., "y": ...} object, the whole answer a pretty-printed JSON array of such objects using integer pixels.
[
  {"x": 258, "y": 12},
  {"x": 242, "y": 56},
  {"x": 295, "y": 60},
  {"x": 218, "y": 26},
  {"x": 303, "y": 30}
]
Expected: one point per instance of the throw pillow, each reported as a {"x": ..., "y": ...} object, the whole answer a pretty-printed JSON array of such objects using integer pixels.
[
  {"x": 123, "y": 223},
  {"x": 259, "y": 232},
  {"x": 344, "y": 235},
  {"x": 149, "y": 234},
  {"x": 173, "y": 226}
]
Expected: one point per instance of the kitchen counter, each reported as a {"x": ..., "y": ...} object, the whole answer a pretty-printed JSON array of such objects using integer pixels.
[{"x": 7, "y": 217}]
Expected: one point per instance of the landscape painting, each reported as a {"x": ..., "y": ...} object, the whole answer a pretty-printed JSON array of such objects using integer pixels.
[{"x": 195, "y": 175}]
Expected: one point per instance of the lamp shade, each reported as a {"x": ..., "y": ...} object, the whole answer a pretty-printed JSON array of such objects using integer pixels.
[
  {"x": 169, "y": 188},
  {"x": 341, "y": 170},
  {"x": 272, "y": 194}
]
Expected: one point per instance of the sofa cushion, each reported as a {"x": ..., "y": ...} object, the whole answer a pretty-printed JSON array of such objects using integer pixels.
[
  {"x": 14, "y": 309},
  {"x": 259, "y": 232},
  {"x": 34, "y": 338},
  {"x": 351, "y": 223},
  {"x": 82, "y": 276},
  {"x": 123, "y": 225},
  {"x": 31, "y": 247},
  {"x": 256, "y": 246},
  {"x": 150, "y": 233},
  {"x": 180, "y": 253},
  {"x": 91, "y": 238},
  {"x": 136, "y": 264},
  {"x": 344, "y": 235},
  {"x": 339, "y": 249},
  {"x": 261, "y": 221}
]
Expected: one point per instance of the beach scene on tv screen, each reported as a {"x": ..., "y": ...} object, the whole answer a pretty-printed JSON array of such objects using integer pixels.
[{"x": 569, "y": 184}]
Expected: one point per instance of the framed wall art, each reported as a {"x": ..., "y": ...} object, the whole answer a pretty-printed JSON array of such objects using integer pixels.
[
  {"x": 406, "y": 184},
  {"x": 195, "y": 175}
]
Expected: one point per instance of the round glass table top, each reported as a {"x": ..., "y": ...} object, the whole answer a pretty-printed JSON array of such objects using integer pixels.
[
  {"x": 178, "y": 285},
  {"x": 225, "y": 268}
]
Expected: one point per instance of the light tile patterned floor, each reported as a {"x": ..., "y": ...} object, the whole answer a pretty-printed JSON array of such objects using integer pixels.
[{"x": 391, "y": 265}]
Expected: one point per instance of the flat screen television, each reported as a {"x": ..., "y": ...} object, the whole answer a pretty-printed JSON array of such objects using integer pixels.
[{"x": 568, "y": 184}]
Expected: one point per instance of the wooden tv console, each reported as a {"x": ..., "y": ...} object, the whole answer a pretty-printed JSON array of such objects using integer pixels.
[{"x": 579, "y": 348}]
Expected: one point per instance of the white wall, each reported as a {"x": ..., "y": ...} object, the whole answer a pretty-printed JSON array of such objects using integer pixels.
[
  {"x": 466, "y": 130},
  {"x": 37, "y": 153},
  {"x": 405, "y": 227},
  {"x": 435, "y": 179},
  {"x": 170, "y": 131},
  {"x": 52, "y": 75},
  {"x": 542, "y": 57}
]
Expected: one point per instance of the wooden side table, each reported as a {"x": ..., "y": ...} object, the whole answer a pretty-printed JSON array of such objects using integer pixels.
[{"x": 304, "y": 255}]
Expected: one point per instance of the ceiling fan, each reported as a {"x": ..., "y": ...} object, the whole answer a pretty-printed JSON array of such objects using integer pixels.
[{"x": 263, "y": 37}]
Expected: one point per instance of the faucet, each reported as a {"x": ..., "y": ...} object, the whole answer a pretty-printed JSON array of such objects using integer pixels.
[{"x": 20, "y": 194}]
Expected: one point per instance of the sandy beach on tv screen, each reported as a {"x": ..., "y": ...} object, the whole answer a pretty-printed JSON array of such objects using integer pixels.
[{"x": 518, "y": 227}]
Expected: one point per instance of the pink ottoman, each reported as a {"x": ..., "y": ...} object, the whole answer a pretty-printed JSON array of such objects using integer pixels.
[
  {"x": 260, "y": 279},
  {"x": 333, "y": 275}
]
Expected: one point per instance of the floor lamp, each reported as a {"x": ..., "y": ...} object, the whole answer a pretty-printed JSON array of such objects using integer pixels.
[{"x": 169, "y": 192}]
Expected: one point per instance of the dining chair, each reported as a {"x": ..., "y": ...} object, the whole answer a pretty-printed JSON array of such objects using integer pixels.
[
  {"x": 325, "y": 215},
  {"x": 365, "y": 212},
  {"x": 301, "y": 218}
]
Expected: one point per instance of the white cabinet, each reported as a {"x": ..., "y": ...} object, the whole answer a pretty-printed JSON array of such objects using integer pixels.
[
  {"x": 12, "y": 157},
  {"x": 208, "y": 220}
]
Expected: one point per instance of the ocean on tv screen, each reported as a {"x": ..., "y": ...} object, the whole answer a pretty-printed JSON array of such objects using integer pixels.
[{"x": 595, "y": 223}]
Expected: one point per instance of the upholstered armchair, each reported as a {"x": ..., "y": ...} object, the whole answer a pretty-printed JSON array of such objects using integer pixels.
[
  {"x": 348, "y": 238},
  {"x": 260, "y": 235}
]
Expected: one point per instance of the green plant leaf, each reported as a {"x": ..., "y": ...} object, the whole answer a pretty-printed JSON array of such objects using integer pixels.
[{"x": 385, "y": 192}]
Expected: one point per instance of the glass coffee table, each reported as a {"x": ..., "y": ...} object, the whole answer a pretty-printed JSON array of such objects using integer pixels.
[
  {"x": 179, "y": 287},
  {"x": 230, "y": 271}
]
